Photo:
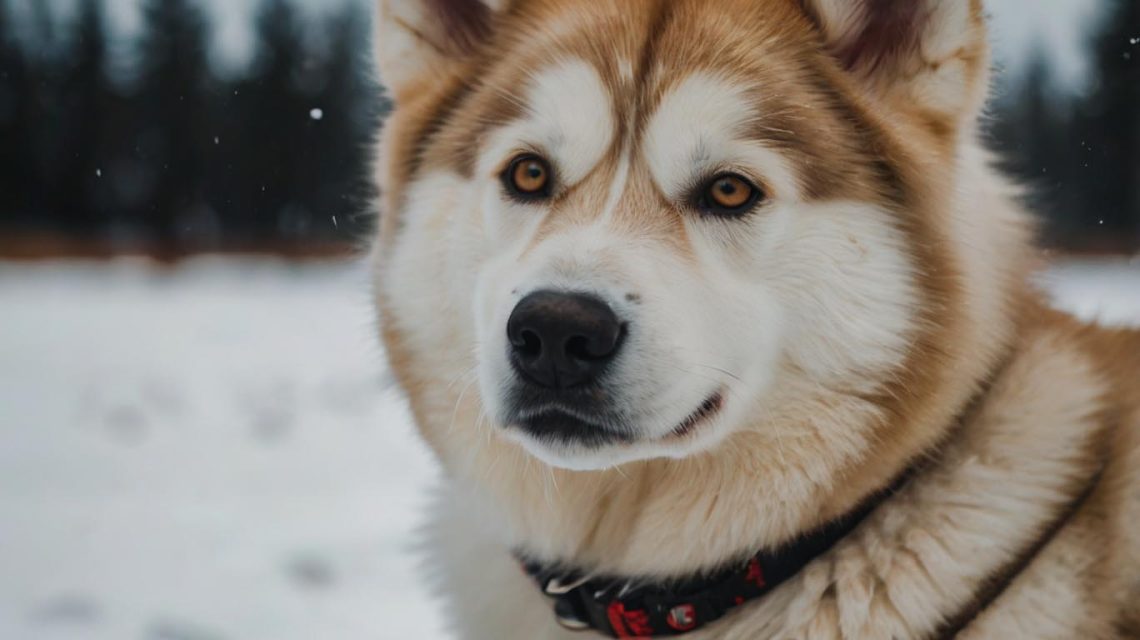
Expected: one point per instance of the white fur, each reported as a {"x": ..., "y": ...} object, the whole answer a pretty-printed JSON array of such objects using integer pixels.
[
  {"x": 400, "y": 53},
  {"x": 752, "y": 298},
  {"x": 917, "y": 559},
  {"x": 924, "y": 555},
  {"x": 696, "y": 132},
  {"x": 935, "y": 76},
  {"x": 569, "y": 119},
  {"x": 799, "y": 312}
]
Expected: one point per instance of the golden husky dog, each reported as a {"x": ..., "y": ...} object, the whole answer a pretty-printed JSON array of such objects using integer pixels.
[{"x": 719, "y": 321}]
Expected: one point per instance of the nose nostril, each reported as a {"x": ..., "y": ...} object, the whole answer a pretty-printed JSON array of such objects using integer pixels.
[
  {"x": 528, "y": 344},
  {"x": 562, "y": 340},
  {"x": 593, "y": 349}
]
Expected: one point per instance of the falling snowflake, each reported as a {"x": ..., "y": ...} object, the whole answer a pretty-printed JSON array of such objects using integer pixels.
[
  {"x": 98, "y": 173},
  {"x": 317, "y": 114}
]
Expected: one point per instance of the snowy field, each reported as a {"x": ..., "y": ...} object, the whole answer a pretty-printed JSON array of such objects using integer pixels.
[{"x": 215, "y": 452}]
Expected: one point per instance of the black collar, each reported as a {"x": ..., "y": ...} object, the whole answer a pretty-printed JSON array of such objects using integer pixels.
[
  {"x": 627, "y": 607},
  {"x": 630, "y": 607}
]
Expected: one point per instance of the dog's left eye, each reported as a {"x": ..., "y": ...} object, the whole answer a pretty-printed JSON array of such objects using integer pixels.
[
  {"x": 728, "y": 195},
  {"x": 528, "y": 177}
]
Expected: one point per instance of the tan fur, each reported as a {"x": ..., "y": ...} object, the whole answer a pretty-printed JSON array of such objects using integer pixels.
[{"x": 1016, "y": 408}]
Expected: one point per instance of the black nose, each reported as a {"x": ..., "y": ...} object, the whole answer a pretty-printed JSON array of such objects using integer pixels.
[{"x": 562, "y": 340}]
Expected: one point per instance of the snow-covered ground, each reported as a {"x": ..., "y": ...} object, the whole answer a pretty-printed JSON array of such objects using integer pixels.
[
  {"x": 208, "y": 453},
  {"x": 215, "y": 452}
]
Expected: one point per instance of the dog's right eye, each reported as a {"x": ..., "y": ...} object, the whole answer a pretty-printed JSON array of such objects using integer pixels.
[
  {"x": 728, "y": 195},
  {"x": 528, "y": 177}
]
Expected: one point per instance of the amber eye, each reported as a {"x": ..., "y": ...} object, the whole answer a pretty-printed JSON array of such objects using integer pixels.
[
  {"x": 728, "y": 195},
  {"x": 528, "y": 178}
]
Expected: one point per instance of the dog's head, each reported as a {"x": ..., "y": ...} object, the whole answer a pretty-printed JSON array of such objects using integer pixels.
[{"x": 646, "y": 225}]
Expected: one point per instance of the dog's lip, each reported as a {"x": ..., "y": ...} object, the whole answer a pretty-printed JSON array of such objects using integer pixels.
[
  {"x": 557, "y": 410},
  {"x": 709, "y": 408},
  {"x": 573, "y": 425}
]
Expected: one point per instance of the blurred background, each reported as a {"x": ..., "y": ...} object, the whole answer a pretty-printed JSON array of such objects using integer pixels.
[
  {"x": 172, "y": 127},
  {"x": 198, "y": 437}
]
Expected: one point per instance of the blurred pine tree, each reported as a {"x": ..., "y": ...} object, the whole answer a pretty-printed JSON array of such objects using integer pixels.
[
  {"x": 1109, "y": 117},
  {"x": 173, "y": 134}
]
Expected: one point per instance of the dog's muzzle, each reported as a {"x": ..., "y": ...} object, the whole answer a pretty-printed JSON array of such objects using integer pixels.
[{"x": 561, "y": 346}]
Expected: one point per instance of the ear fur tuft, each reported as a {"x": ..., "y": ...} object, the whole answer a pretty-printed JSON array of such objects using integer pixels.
[
  {"x": 465, "y": 24},
  {"x": 417, "y": 41},
  {"x": 890, "y": 29},
  {"x": 928, "y": 56}
]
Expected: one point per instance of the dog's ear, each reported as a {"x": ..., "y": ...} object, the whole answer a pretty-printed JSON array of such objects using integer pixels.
[
  {"x": 416, "y": 40},
  {"x": 927, "y": 54}
]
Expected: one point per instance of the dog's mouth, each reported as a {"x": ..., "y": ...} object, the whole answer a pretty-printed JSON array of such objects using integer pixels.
[
  {"x": 559, "y": 423},
  {"x": 703, "y": 414}
]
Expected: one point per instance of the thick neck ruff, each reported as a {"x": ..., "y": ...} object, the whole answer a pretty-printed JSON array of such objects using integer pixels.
[
  {"x": 644, "y": 608},
  {"x": 628, "y": 607},
  {"x": 638, "y": 607}
]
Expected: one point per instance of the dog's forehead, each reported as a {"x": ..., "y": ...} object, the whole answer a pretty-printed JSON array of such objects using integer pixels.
[
  {"x": 669, "y": 91},
  {"x": 663, "y": 85},
  {"x": 569, "y": 114}
]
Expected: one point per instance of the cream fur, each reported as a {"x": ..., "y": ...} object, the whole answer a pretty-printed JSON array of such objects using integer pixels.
[{"x": 851, "y": 333}]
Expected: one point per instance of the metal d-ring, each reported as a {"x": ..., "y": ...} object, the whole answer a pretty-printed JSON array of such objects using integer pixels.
[{"x": 558, "y": 588}]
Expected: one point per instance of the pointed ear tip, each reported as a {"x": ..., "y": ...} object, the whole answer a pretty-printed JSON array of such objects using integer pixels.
[{"x": 859, "y": 30}]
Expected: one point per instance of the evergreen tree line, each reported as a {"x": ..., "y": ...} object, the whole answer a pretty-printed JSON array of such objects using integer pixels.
[
  {"x": 1078, "y": 153},
  {"x": 174, "y": 158}
]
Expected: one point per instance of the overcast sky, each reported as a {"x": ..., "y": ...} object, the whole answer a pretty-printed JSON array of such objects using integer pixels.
[{"x": 1056, "y": 27}]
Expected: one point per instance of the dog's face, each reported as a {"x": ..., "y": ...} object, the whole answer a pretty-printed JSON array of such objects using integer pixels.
[
  {"x": 644, "y": 226},
  {"x": 651, "y": 252}
]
